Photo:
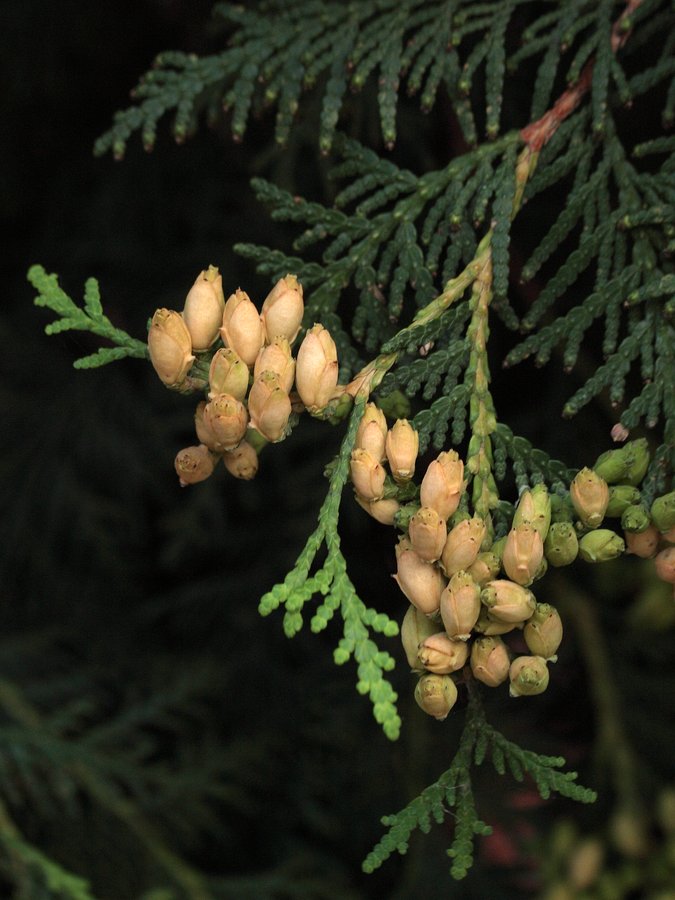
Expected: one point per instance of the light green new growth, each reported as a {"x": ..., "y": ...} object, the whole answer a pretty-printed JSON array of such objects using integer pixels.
[
  {"x": 332, "y": 582},
  {"x": 452, "y": 794},
  {"x": 90, "y": 317}
]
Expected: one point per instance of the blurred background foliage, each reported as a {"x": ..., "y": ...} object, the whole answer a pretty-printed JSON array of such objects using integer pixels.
[{"x": 157, "y": 739}]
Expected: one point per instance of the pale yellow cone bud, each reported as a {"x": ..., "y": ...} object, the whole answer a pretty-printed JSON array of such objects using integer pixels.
[
  {"x": 242, "y": 328},
  {"x": 269, "y": 407},
  {"x": 282, "y": 310},
  {"x": 463, "y": 545},
  {"x": 492, "y": 627},
  {"x": 645, "y": 544},
  {"x": 316, "y": 370},
  {"x": 228, "y": 374},
  {"x": 590, "y": 495},
  {"x": 523, "y": 554},
  {"x": 440, "y": 655},
  {"x": 227, "y": 419},
  {"x": 629, "y": 831},
  {"x": 276, "y": 357},
  {"x": 427, "y": 534},
  {"x": 507, "y": 601},
  {"x": 443, "y": 484},
  {"x": 242, "y": 462},
  {"x": 204, "y": 433},
  {"x": 203, "y": 310},
  {"x": 543, "y": 632},
  {"x": 170, "y": 347},
  {"x": 665, "y": 565},
  {"x": 585, "y": 864},
  {"x": 415, "y": 629},
  {"x": 528, "y": 676},
  {"x": 402, "y": 446},
  {"x": 490, "y": 661},
  {"x": 421, "y": 582},
  {"x": 460, "y": 606},
  {"x": 485, "y": 568},
  {"x": 367, "y": 475},
  {"x": 194, "y": 464},
  {"x": 383, "y": 511},
  {"x": 372, "y": 432},
  {"x": 436, "y": 695}
]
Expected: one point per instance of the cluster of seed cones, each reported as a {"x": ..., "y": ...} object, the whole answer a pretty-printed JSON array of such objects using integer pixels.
[{"x": 254, "y": 384}]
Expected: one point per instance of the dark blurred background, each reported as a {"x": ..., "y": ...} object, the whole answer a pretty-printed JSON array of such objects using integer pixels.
[{"x": 153, "y": 726}]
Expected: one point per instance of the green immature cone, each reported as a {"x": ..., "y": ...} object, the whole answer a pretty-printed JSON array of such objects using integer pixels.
[
  {"x": 561, "y": 509},
  {"x": 528, "y": 676},
  {"x": 543, "y": 632},
  {"x": 460, "y": 606},
  {"x": 635, "y": 519},
  {"x": 562, "y": 544},
  {"x": 627, "y": 464},
  {"x": 590, "y": 496},
  {"x": 621, "y": 496},
  {"x": 441, "y": 655},
  {"x": 601, "y": 546},
  {"x": 436, "y": 695},
  {"x": 415, "y": 629},
  {"x": 663, "y": 512},
  {"x": 507, "y": 601},
  {"x": 490, "y": 661},
  {"x": 534, "y": 509},
  {"x": 228, "y": 374}
]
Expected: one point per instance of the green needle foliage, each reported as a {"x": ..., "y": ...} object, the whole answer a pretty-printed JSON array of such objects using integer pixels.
[{"x": 411, "y": 271}]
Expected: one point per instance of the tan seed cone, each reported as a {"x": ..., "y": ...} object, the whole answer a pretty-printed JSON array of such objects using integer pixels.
[
  {"x": 485, "y": 568},
  {"x": 316, "y": 370},
  {"x": 490, "y": 661},
  {"x": 194, "y": 464},
  {"x": 228, "y": 374},
  {"x": 523, "y": 553},
  {"x": 170, "y": 347},
  {"x": 645, "y": 544},
  {"x": 491, "y": 627},
  {"x": 372, "y": 432},
  {"x": 402, "y": 446},
  {"x": 367, "y": 475},
  {"x": 282, "y": 310},
  {"x": 421, "y": 582},
  {"x": 440, "y": 655},
  {"x": 276, "y": 357},
  {"x": 227, "y": 419},
  {"x": 269, "y": 407},
  {"x": 665, "y": 565},
  {"x": 436, "y": 695},
  {"x": 382, "y": 511},
  {"x": 203, "y": 310},
  {"x": 544, "y": 631},
  {"x": 460, "y": 606},
  {"x": 203, "y": 431},
  {"x": 443, "y": 484},
  {"x": 415, "y": 629},
  {"x": 462, "y": 545},
  {"x": 590, "y": 495},
  {"x": 528, "y": 676},
  {"x": 242, "y": 328},
  {"x": 427, "y": 534},
  {"x": 242, "y": 462},
  {"x": 585, "y": 864},
  {"x": 507, "y": 601},
  {"x": 669, "y": 536}
]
